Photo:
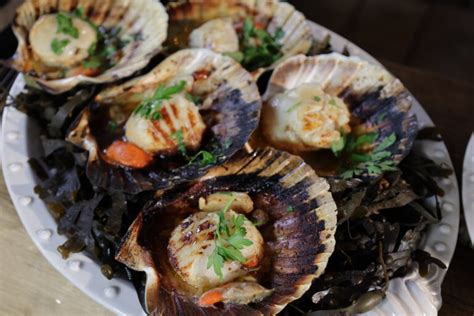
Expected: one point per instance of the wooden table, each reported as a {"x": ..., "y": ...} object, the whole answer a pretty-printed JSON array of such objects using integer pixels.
[{"x": 30, "y": 286}]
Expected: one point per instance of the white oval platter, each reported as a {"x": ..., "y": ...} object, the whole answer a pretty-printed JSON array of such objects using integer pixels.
[{"x": 411, "y": 295}]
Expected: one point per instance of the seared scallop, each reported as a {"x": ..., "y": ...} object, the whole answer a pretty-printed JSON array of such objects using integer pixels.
[
  {"x": 58, "y": 49},
  {"x": 218, "y": 35},
  {"x": 177, "y": 124},
  {"x": 194, "y": 241},
  {"x": 305, "y": 118}
]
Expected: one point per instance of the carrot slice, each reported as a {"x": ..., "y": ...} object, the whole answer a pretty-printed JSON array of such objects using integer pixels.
[
  {"x": 127, "y": 154},
  {"x": 252, "y": 262},
  {"x": 210, "y": 298}
]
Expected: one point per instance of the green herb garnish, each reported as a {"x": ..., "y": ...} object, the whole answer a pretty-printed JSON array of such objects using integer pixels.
[
  {"x": 258, "y": 47},
  {"x": 375, "y": 162},
  {"x": 294, "y": 107},
  {"x": 206, "y": 158},
  {"x": 66, "y": 26},
  {"x": 78, "y": 12},
  {"x": 317, "y": 99},
  {"x": 237, "y": 56},
  {"x": 150, "y": 107},
  {"x": 230, "y": 240},
  {"x": 57, "y": 46},
  {"x": 338, "y": 145},
  {"x": 112, "y": 126},
  {"x": 290, "y": 209},
  {"x": 193, "y": 98},
  {"x": 178, "y": 137}
]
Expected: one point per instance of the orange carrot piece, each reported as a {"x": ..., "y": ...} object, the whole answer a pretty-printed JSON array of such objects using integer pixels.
[
  {"x": 127, "y": 154},
  {"x": 251, "y": 263},
  {"x": 210, "y": 298}
]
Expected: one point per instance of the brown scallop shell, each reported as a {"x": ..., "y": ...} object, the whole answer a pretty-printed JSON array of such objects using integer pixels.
[{"x": 298, "y": 240}]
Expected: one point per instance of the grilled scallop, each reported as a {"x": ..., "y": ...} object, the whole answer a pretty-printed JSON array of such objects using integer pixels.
[
  {"x": 62, "y": 44},
  {"x": 306, "y": 118},
  {"x": 191, "y": 112},
  {"x": 218, "y": 262},
  {"x": 218, "y": 25},
  {"x": 218, "y": 35},
  {"x": 193, "y": 242},
  {"x": 311, "y": 102},
  {"x": 180, "y": 124},
  {"x": 43, "y": 35}
]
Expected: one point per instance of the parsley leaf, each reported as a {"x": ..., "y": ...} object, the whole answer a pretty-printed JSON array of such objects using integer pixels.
[
  {"x": 207, "y": 158},
  {"x": 294, "y": 107},
  {"x": 237, "y": 56},
  {"x": 338, "y": 145},
  {"x": 57, "y": 46},
  {"x": 360, "y": 160},
  {"x": 112, "y": 126},
  {"x": 66, "y": 26},
  {"x": 258, "y": 47},
  {"x": 151, "y": 106},
  {"x": 179, "y": 138},
  {"x": 194, "y": 99},
  {"x": 230, "y": 240}
]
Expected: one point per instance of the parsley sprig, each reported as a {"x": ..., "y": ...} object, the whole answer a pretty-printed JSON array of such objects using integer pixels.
[
  {"x": 230, "y": 240},
  {"x": 57, "y": 46},
  {"x": 66, "y": 25},
  {"x": 361, "y": 155},
  {"x": 257, "y": 47},
  {"x": 150, "y": 107}
]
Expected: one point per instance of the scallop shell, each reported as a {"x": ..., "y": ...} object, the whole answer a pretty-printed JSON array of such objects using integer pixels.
[
  {"x": 146, "y": 18},
  {"x": 376, "y": 97},
  {"x": 232, "y": 94},
  {"x": 297, "y": 38},
  {"x": 299, "y": 242}
]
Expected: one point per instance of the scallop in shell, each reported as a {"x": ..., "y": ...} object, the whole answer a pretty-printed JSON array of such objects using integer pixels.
[
  {"x": 323, "y": 102},
  {"x": 221, "y": 25},
  {"x": 65, "y": 43},
  {"x": 190, "y": 113},
  {"x": 298, "y": 239}
]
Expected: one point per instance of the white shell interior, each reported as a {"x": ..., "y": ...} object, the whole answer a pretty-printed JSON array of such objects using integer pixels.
[{"x": 411, "y": 295}]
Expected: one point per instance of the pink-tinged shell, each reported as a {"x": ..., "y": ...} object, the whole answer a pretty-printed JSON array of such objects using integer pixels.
[{"x": 298, "y": 241}]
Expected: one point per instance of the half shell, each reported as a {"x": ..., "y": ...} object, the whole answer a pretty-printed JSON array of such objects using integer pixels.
[
  {"x": 185, "y": 16},
  {"x": 298, "y": 243},
  {"x": 229, "y": 95},
  {"x": 378, "y": 102},
  {"x": 143, "y": 22}
]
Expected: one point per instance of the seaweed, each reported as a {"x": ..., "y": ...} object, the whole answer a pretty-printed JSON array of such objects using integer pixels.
[{"x": 380, "y": 222}]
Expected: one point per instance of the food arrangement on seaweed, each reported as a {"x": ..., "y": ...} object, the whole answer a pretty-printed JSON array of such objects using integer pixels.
[{"x": 149, "y": 173}]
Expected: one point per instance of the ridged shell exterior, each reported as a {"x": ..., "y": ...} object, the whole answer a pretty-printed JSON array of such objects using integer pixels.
[
  {"x": 376, "y": 92},
  {"x": 297, "y": 37},
  {"x": 234, "y": 96},
  {"x": 299, "y": 245},
  {"x": 147, "y": 17}
]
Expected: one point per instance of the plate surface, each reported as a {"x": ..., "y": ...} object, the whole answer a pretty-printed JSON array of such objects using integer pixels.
[{"x": 411, "y": 295}]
